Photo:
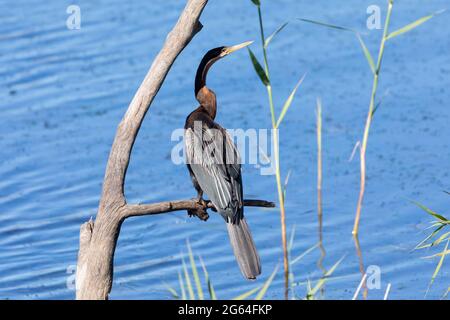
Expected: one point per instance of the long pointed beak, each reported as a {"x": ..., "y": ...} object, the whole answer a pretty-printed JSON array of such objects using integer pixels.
[{"x": 237, "y": 47}]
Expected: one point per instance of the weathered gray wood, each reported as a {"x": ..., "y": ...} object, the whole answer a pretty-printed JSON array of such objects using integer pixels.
[
  {"x": 96, "y": 255},
  {"x": 98, "y": 240}
]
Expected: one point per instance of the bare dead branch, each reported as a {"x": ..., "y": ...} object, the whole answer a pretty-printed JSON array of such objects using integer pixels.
[
  {"x": 186, "y": 28},
  {"x": 134, "y": 210},
  {"x": 98, "y": 241}
]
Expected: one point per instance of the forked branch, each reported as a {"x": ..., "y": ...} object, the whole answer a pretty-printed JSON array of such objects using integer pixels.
[{"x": 98, "y": 239}]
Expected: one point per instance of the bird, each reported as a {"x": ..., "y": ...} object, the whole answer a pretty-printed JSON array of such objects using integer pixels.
[{"x": 214, "y": 165}]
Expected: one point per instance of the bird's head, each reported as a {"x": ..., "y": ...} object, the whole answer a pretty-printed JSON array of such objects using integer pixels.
[
  {"x": 224, "y": 51},
  {"x": 210, "y": 58}
]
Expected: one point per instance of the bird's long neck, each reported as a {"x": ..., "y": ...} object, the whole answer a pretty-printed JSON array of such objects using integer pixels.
[{"x": 205, "y": 96}]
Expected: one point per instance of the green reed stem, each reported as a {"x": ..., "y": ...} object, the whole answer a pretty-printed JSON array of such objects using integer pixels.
[
  {"x": 369, "y": 119},
  {"x": 277, "y": 158},
  {"x": 266, "y": 67}
]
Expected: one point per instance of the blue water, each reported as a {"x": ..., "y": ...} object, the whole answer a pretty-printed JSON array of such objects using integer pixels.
[{"x": 63, "y": 92}]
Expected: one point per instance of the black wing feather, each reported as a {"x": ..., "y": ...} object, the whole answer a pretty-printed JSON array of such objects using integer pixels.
[{"x": 215, "y": 162}]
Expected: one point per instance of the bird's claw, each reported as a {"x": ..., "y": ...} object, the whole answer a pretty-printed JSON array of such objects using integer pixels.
[{"x": 200, "y": 212}]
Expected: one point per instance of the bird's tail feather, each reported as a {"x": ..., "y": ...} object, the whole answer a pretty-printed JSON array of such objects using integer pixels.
[{"x": 244, "y": 249}]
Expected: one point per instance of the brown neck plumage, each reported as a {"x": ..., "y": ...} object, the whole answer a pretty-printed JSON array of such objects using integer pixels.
[{"x": 207, "y": 100}]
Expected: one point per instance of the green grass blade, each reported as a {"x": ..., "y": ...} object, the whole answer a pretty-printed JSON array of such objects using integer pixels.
[
  {"x": 375, "y": 109},
  {"x": 172, "y": 291},
  {"x": 322, "y": 280},
  {"x": 309, "y": 296},
  {"x": 266, "y": 285},
  {"x": 212, "y": 293},
  {"x": 259, "y": 69},
  {"x": 247, "y": 294},
  {"x": 300, "y": 257},
  {"x": 412, "y": 25},
  {"x": 366, "y": 51},
  {"x": 431, "y": 212},
  {"x": 443, "y": 237},
  {"x": 328, "y": 25},
  {"x": 288, "y": 102},
  {"x": 435, "y": 225},
  {"x": 329, "y": 279},
  {"x": 446, "y": 294},
  {"x": 182, "y": 288},
  {"x": 195, "y": 273},
  {"x": 440, "y": 254},
  {"x": 367, "y": 54},
  {"x": 270, "y": 38},
  {"x": 188, "y": 281},
  {"x": 421, "y": 245},
  {"x": 438, "y": 267}
]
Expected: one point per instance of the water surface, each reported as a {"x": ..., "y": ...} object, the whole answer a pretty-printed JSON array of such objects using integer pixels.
[{"x": 63, "y": 92}]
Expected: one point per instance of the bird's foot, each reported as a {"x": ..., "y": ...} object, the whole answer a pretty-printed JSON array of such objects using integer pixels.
[{"x": 200, "y": 211}]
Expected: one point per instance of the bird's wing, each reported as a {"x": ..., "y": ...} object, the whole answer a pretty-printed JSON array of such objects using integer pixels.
[{"x": 215, "y": 162}]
